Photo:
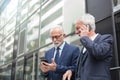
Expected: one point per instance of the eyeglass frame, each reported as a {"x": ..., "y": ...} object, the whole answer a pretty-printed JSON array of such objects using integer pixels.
[{"x": 57, "y": 36}]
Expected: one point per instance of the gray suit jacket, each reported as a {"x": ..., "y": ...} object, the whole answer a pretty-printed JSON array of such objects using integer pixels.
[{"x": 94, "y": 64}]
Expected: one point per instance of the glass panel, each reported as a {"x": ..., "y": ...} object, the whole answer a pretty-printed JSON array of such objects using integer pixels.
[
  {"x": 3, "y": 18},
  {"x": 23, "y": 2},
  {"x": 24, "y": 11},
  {"x": 11, "y": 9},
  {"x": 5, "y": 72},
  {"x": 9, "y": 41},
  {"x": 22, "y": 38},
  {"x": 33, "y": 5},
  {"x": 1, "y": 35},
  {"x": 51, "y": 13},
  {"x": 22, "y": 41},
  {"x": 116, "y": 2},
  {"x": 2, "y": 50},
  {"x": 10, "y": 26},
  {"x": 19, "y": 69},
  {"x": 45, "y": 38},
  {"x": 33, "y": 32},
  {"x": 30, "y": 69}
]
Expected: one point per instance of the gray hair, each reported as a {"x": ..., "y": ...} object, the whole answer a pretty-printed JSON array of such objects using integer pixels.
[
  {"x": 88, "y": 19},
  {"x": 58, "y": 27}
]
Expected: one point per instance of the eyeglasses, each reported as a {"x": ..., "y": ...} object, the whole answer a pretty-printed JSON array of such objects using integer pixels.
[{"x": 56, "y": 37}]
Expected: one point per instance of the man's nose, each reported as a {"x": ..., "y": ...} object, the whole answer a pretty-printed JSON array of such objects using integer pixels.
[{"x": 54, "y": 39}]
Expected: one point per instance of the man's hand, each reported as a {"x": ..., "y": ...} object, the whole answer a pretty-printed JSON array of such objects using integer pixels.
[
  {"x": 53, "y": 65},
  {"x": 84, "y": 31},
  {"x": 45, "y": 67},
  {"x": 67, "y": 75}
]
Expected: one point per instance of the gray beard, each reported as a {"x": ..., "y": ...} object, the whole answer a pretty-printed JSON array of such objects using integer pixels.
[{"x": 57, "y": 45}]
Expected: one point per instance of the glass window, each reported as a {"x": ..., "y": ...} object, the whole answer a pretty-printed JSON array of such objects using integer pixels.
[
  {"x": 24, "y": 12},
  {"x": 2, "y": 50},
  {"x": 51, "y": 13},
  {"x": 33, "y": 6},
  {"x": 22, "y": 41},
  {"x": 45, "y": 38},
  {"x": 3, "y": 18},
  {"x": 19, "y": 69},
  {"x": 30, "y": 68},
  {"x": 33, "y": 32},
  {"x": 1, "y": 35},
  {"x": 10, "y": 26},
  {"x": 23, "y": 2},
  {"x": 8, "y": 52},
  {"x": 11, "y": 9},
  {"x": 116, "y": 2},
  {"x": 5, "y": 72}
]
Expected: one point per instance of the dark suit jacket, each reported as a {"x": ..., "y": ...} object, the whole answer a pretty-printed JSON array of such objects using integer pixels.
[
  {"x": 94, "y": 64},
  {"x": 67, "y": 61}
]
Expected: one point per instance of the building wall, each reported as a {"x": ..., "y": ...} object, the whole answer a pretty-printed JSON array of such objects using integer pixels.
[{"x": 24, "y": 33}]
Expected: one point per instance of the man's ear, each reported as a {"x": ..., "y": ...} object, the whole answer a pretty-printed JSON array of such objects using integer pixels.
[{"x": 89, "y": 27}]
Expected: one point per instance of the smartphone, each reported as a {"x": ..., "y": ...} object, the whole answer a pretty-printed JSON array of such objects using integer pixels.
[{"x": 44, "y": 60}]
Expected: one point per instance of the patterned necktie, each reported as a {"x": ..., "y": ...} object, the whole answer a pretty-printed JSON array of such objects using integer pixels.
[{"x": 57, "y": 55}]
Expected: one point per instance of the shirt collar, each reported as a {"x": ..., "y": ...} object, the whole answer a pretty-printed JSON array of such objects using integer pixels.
[
  {"x": 61, "y": 46},
  {"x": 93, "y": 37}
]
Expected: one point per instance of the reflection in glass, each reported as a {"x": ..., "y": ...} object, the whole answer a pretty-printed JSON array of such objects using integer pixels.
[
  {"x": 24, "y": 12},
  {"x": 32, "y": 32},
  {"x": 11, "y": 9},
  {"x": 2, "y": 19},
  {"x": 29, "y": 69},
  {"x": 19, "y": 70},
  {"x": 22, "y": 42},
  {"x": 5, "y": 72},
  {"x": 116, "y": 2},
  {"x": 10, "y": 26},
  {"x": 45, "y": 38},
  {"x": 1, "y": 35},
  {"x": 33, "y": 5},
  {"x": 8, "y": 47},
  {"x": 2, "y": 50}
]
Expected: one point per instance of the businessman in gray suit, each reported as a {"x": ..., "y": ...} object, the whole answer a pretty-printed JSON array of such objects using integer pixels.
[
  {"x": 61, "y": 57},
  {"x": 95, "y": 58}
]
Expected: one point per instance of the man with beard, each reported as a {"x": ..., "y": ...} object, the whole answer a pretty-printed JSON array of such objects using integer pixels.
[{"x": 60, "y": 58}]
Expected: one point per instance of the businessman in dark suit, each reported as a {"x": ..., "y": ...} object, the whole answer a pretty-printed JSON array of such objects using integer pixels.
[
  {"x": 95, "y": 57},
  {"x": 61, "y": 57}
]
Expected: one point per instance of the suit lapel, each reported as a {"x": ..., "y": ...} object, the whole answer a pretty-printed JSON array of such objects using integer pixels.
[
  {"x": 84, "y": 57},
  {"x": 86, "y": 52},
  {"x": 97, "y": 38}
]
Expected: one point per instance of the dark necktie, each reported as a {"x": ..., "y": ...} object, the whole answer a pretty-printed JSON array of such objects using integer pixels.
[{"x": 57, "y": 55}]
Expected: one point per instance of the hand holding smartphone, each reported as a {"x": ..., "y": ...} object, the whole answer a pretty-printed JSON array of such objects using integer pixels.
[{"x": 44, "y": 60}]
